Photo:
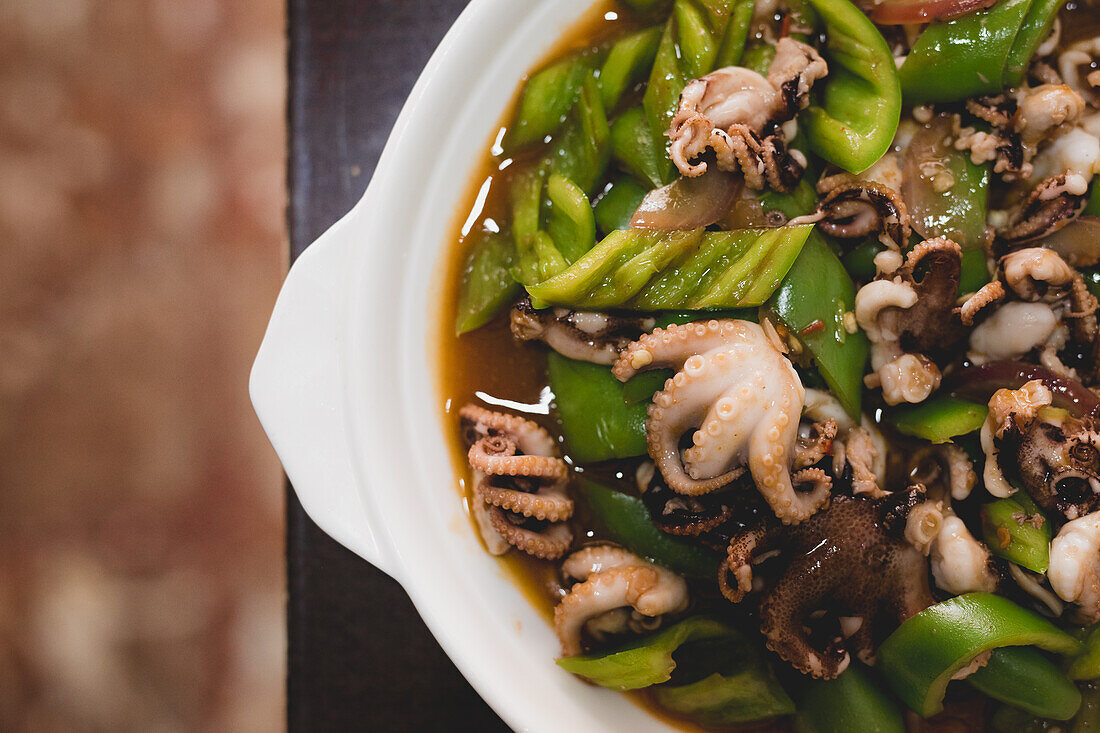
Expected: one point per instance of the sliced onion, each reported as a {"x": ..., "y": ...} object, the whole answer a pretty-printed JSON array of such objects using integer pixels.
[
  {"x": 687, "y": 203},
  {"x": 934, "y": 213},
  {"x": 978, "y": 383},
  {"x": 1078, "y": 243},
  {"x": 899, "y": 12}
]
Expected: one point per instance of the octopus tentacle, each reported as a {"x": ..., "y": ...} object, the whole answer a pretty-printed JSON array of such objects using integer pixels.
[
  {"x": 614, "y": 580},
  {"x": 547, "y": 544},
  {"x": 520, "y": 499},
  {"x": 988, "y": 294},
  {"x": 817, "y": 445},
  {"x": 740, "y": 555}
]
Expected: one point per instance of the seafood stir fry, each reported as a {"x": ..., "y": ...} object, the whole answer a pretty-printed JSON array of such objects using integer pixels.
[{"x": 811, "y": 288}]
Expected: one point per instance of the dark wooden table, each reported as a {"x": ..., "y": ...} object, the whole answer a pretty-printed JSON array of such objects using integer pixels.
[{"x": 360, "y": 657}]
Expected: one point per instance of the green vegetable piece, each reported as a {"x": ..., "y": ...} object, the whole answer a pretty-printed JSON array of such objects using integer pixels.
[
  {"x": 1035, "y": 29},
  {"x": 647, "y": 661},
  {"x": 616, "y": 207},
  {"x": 973, "y": 273},
  {"x": 736, "y": 35},
  {"x": 860, "y": 261},
  {"x": 758, "y": 58},
  {"x": 860, "y": 107},
  {"x": 642, "y": 387},
  {"x": 571, "y": 223},
  {"x": 526, "y": 197},
  {"x": 1008, "y": 719},
  {"x": 849, "y": 703},
  {"x": 727, "y": 682},
  {"x": 939, "y": 419},
  {"x": 627, "y": 520},
  {"x": 1016, "y": 529},
  {"x": 818, "y": 290},
  {"x": 1086, "y": 666},
  {"x": 668, "y": 318},
  {"x": 1023, "y": 677},
  {"x": 689, "y": 48},
  {"x": 596, "y": 421},
  {"x": 651, "y": 270},
  {"x": 962, "y": 58},
  {"x": 487, "y": 282},
  {"x": 546, "y": 100},
  {"x": 627, "y": 64},
  {"x": 582, "y": 149},
  {"x": 632, "y": 148},
  {"x": 959, "y": 213},
  {"x": 648, "y": 7},
  {"x": 920, "y": 657},
  {"x": 802, "y": 200}
]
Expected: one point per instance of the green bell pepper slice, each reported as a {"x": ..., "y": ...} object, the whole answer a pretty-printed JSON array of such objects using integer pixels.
[
  {"x": 627, "y": 520},
  {"x": 632, "y": 148},
  {"x": 487, "y": 282},
  {"x": 722, "y": 682},
  {"x": 1035, "y": 29},
  {"x": 812, "y": 302},
  {"x": 570, "y": 221},
  {"x": 851, "y": 702},
  {"x": 582, "y": 149},
  {"x": 854, "y": 122},
  {"x": 616, "y": 207},
  {"x": 939, "y": 419},
  {"x": 627, "y": 63},
  {"x": 646, "y": 662},
  {"x": 596, "y": 422},
  {"x": 921, "y": 656},
  {"x": 546, "y": 100},
  {"x": 1023, "y": 677},
  {"x": 1016, "y": 529},
  {"x": 647, "y": 270},
  {"x": 962, "y": 58}
]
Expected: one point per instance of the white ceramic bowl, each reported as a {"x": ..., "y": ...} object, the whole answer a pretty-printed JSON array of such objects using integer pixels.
[{"x": 345, "y": 389}]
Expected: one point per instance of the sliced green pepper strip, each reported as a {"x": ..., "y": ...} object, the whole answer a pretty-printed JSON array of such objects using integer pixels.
[
  {"x": 758, "y": 58},
  {"x": 1086, "y": 665},
  {"x": 1016, "y": 529},
  {"x": 736, "y": 35},
  {"x": 962, "y": 58},
  {"x": 958, "y": 213},
  {"x": 1023, "y": 677},
  {"x": 570, "y": 223},
  {"x": 647, "y": 270},
  {"x": 644, "y": 662},
  {"x": 596, "y": 421},
  {"x": 1035, "y": 29},
  {"x": 487, "y": 282},
  {"x": 858, "y": 113},
  {"x": 818, "y": 290},
  {"x": 921, "y": 656},
  {"x": 849, "y": 703},
  {"x": 939, "y": 419},
  {"x": 627, "y": 63},
  {"x": 689, "y": 48},
  {"x": 648, "y": 7},
  {"x": 581, "y": 150},
  {"x": 721, "y": 682},
  {"x": 627, "y": 520},
  {"x": 642, "y": 387},
  {"x": 632, "y": 148},
  {"x": 526, "y": 199},
  {"x": 973, "y": 272},
  {"x": 860, "y": 261},
  {"x": 546, "y": 100},
  {"x": 1009, "y": 719},
  {"x": 616, "y": 207}
]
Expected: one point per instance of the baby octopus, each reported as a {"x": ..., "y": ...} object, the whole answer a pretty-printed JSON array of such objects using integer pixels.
[
  {"x": 742, "y": 401},
  {"x": 909, "y": 319},
  {"x": 518, "y": 484},
  {"x": 612, "y": 580},
  {"x": 736, "y": 113},
  {"x": 852, "y": 559}
]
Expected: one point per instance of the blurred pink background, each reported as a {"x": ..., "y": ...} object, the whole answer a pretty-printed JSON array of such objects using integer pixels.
[{"x": 142, "y": 196}]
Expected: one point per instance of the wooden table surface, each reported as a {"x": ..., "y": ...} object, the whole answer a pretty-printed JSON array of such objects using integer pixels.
[{"x": 360, "y": 657}]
